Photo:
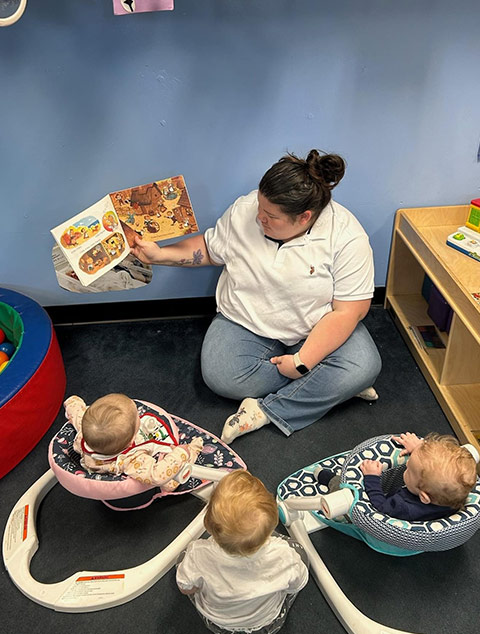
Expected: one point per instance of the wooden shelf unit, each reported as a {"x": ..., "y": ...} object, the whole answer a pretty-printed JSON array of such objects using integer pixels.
[{"x": 419, "y": 247}]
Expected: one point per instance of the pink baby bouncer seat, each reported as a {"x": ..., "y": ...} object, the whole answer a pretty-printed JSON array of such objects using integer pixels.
[{"x": 88, "y": 591}]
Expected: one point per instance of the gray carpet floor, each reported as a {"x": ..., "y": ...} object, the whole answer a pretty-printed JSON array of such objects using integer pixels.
[{"x": 158, "y": 361}]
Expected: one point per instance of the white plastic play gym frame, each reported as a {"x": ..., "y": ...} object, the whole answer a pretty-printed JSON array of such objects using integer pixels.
[{"x": 88, "y": 590}]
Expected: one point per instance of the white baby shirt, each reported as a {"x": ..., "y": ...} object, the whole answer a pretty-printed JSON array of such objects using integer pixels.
[{"x": 241, "y": 592}]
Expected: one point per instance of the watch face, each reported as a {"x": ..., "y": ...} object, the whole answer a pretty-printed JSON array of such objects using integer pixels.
[{"x": 299, "y": 365}]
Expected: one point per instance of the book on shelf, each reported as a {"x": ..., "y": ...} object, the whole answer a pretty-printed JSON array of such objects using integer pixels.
[{"x": 427, "y": 336}]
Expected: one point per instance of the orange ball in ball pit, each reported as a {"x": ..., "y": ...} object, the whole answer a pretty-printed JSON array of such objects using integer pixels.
[{"x": 4, "y": 357}]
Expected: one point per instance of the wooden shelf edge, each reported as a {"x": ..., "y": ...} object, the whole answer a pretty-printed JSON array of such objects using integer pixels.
[
  {"x": 458, "y": 297},
  {"x": 419, "y": 247},
  {"x": 443, "y": 393}
]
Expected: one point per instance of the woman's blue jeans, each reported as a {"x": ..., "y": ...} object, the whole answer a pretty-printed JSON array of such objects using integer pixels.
[{"x": 236, "y": 364}]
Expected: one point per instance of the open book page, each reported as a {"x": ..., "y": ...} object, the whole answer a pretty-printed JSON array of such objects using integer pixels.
[
  {"x": 93, "y": 241},
  {"x": 156, "y": 211}
]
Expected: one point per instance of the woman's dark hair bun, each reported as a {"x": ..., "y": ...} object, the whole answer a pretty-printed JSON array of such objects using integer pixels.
[{"x": 329, "y": 169}]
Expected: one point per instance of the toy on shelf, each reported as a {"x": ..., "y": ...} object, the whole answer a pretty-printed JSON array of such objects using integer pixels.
[
  {"x": 467, "y": 239},
  {"x": 473, "y": 220}
]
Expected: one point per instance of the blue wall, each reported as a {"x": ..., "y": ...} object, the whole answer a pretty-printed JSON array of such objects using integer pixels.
[{"x": 218, "y": 90}]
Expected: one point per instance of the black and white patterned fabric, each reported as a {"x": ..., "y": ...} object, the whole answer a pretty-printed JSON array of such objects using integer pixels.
[{"x": 434, "y": 535}]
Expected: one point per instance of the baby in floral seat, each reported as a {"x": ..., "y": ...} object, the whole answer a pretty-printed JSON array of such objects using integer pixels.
[{"x": 112, "y": 438}]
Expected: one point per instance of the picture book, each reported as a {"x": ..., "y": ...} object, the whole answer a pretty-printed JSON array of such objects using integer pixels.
[
  {"x": 158, "y": 210},
  {"x": 99, "y": 238},
  {"x": 427, "y": 336},
  {"x": 93, "y": 241}
]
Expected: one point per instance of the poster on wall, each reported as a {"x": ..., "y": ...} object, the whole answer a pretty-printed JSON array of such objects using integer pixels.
[
  {"x": 98, "y": 239},
  {"x": 121, "y": 7}
]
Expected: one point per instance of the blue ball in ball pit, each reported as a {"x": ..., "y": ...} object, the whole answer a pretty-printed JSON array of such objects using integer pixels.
[{"x": 8, "y": 348}]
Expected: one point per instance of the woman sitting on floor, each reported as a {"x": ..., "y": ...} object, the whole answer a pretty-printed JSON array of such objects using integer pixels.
[{"x": 297, "y": 280}]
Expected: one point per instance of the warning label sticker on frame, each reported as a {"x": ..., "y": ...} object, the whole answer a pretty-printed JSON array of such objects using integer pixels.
[{"x": 93, "y": 586}]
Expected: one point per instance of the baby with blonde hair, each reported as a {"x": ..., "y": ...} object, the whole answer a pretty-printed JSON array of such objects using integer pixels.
[
  {"x": 242, "y": 514},
  {"x": 242, "y": 577},
  {"x": 439, "y": 476},
  {"x": 110, "y": 439}
]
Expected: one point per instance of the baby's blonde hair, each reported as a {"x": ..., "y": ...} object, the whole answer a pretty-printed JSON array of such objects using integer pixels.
[
  {"x": 109, "y": 424},
  {"x": 449, "y": 471},
  {"x": 241, "y": 514}
]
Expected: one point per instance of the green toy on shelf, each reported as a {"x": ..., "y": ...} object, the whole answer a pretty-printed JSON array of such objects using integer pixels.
[
  {"x": 466, "y": 239},
  {"x": 473, "y": 220}
]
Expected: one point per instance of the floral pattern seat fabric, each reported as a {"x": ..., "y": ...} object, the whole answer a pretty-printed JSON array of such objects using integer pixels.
[{"x": 65, "y": 462}]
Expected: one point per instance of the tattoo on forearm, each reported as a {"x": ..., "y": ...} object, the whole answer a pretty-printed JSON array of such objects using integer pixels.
[
  {"x": 197, "y": 257},
  {"x": 196, "y": 260}
]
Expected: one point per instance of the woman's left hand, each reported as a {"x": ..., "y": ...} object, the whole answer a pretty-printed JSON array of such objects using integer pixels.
[{"x": 286, "y": 366}]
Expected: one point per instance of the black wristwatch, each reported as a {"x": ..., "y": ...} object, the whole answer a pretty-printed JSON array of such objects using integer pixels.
[{"x": 299, "y": 365}]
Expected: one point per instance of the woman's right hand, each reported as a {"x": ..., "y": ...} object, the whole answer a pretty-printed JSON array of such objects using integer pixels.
[{"x": 146, "y": 251}]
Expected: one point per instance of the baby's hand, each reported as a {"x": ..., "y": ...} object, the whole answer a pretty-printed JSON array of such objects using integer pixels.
[
  {"x": 194, "y": 448},
  {"x": 74, "y": 404},
  {"x": 371, "y": 467},
  {"x": 74, "y": 409},
  {"x": 409, "y": 441}
]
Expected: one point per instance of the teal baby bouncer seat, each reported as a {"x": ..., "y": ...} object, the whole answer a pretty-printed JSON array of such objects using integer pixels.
[{"x": 306, "y": 506}]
